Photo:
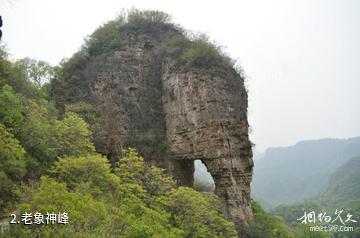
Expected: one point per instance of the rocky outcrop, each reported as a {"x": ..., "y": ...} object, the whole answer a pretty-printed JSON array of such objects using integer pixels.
[
  {"x": 172, "y": 115},
  {"x": 205, "y": 113}
]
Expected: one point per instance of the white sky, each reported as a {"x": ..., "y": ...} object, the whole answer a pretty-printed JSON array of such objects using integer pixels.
[{"x": 302, "y": 57}]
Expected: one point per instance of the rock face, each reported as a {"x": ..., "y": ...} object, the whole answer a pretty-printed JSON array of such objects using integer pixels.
[
  {"x": 205, "y": 114},
  {"x": 173, "y": 116}
]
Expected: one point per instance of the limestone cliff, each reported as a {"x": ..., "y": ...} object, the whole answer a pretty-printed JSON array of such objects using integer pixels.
[{"x": 174, "y": 112}]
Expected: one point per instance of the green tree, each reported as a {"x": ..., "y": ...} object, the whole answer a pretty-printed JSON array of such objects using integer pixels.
[
  {"x": 87, "y": 174},
  {"x": 73, "y": 136},
  {"x": 199, "y": 215},
  {"x": 9, "y": 74},
  {"x": 133, "y": 170},
  {"x": 26, "y": 76},
  {"x": 87, "y": 111},
  {"x": 47, "y": 139},
  {"x": 38, "y": 137},
  {"x": 36, "y": 71},
  {"x": 11, "y": 108},
  {"x": 92, "y": 116},
  {"x": 12, "y": 167}
]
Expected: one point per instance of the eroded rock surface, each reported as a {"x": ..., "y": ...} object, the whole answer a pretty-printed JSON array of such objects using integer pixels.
[
  {"x": 173, "y": 116},
  {"x": 205, "y": 113}
]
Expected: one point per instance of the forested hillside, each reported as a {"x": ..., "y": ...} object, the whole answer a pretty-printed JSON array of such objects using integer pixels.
[
  {"x": 344, "y": 184},
  {"x": 291, "y": 174},
  {"x": 342, "y": 194}
]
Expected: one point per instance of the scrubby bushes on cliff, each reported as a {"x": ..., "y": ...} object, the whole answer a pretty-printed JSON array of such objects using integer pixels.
[
  {"x": 146, "y": 20},
  {"x": 202, "y": 53},
  {"x": 109, "y": 36},
  {"x": 196, "y": 52},
  {"x": 106, "y": 37}
]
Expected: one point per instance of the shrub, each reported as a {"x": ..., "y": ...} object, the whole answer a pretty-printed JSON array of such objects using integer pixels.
[{"x": 198, "y": 52}]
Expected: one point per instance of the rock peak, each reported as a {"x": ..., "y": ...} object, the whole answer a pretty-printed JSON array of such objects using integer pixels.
[{"x": 173, "y": 98}]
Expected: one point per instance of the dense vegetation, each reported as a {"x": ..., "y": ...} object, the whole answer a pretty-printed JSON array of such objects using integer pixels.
[{"x": 344, "y": 184}]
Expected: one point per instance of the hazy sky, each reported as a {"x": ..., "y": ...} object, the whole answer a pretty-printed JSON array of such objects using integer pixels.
[{"x": 302, "y": 58}]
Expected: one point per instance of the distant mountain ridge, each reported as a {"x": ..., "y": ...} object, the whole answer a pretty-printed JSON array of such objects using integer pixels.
[
  {"x": 342, "y": 194},
  {"x": 344, "y": 184},
  {"x": 290, "y": 174}
]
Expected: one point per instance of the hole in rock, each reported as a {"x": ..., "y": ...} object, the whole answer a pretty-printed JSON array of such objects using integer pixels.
[{"x": 203, "y": 180}]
